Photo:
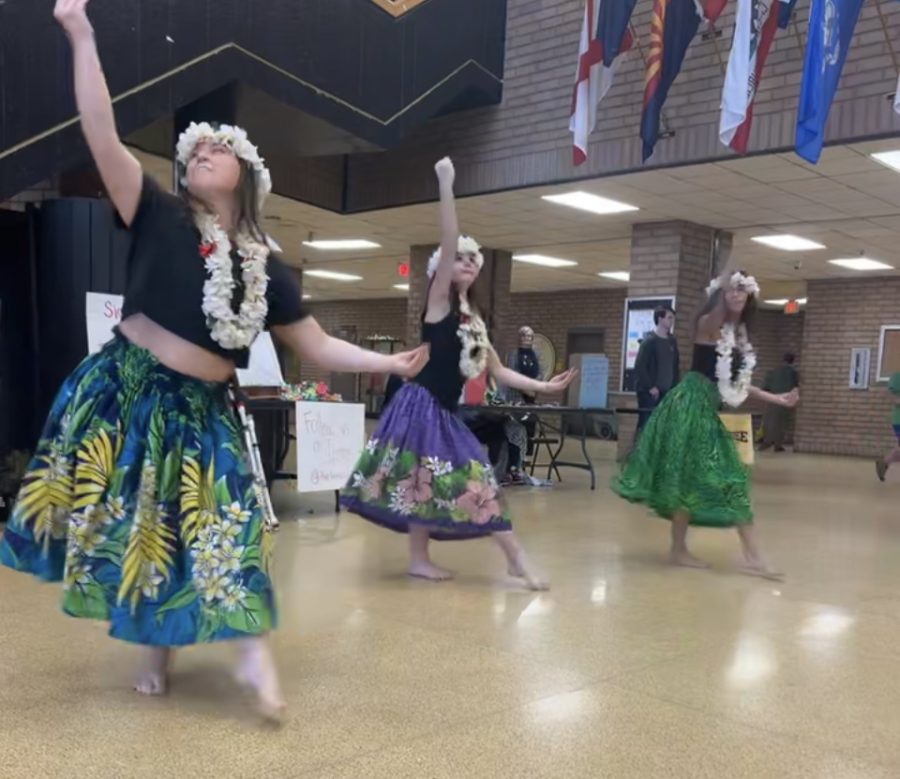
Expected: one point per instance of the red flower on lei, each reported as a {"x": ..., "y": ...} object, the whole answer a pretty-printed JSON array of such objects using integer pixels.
[{"x": 206, "y": 249}]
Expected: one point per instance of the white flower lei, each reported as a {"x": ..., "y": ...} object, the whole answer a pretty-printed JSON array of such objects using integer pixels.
[
  {"x": 734, "y": 392},
  {"x": 229, "y": 329},
  {"x": 465, "y": 245},
  {"x": 475, "y": 343},
  {"x": 737, "y": 280}
]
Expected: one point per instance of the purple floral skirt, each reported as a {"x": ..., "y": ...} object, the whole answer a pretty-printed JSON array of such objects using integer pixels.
[{"x": 423, "y": 466}]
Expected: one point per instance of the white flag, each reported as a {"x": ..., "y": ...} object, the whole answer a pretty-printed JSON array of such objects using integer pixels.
[{"x": 739, "y": 89}]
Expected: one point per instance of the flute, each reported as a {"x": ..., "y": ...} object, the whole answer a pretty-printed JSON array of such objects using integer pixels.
[{"x": 255, "y": 461}]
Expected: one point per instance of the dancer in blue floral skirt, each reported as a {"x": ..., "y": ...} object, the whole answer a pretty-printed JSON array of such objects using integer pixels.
[{"x": 140, "y": 498}]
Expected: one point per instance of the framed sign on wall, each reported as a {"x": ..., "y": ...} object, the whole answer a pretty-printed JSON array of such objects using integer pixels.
[
  {"x": 888, "y": 353},
  {"x": 638, "y": 322}
]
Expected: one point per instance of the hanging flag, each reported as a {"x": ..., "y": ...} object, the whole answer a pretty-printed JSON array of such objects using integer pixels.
[
  {"x": 897, "y": 97},
  {"x": 605, "y": 35},
  {"x": 754, "y": 31},
  {"x": 673, "y": 25},
  {"x": 831, "y": 25}
]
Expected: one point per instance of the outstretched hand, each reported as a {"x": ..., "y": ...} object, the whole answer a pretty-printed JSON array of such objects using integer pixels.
[
  {"x": 446, "y": 173},
  {"x": 559, "y": 382},
  {"x": 789, "y": 399},
  {"x": 409, "y": 364},
  {"x": 72, "y": 16}
]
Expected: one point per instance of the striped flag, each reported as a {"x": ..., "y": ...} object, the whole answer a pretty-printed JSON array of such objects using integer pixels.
[
  {"x": 673, "y": 25},
  {"x": 754, "y": 31},
  {"x": 605, "y": 35}
]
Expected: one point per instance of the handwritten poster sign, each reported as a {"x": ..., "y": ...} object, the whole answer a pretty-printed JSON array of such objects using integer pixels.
[
  {"x": 330, "y": 437},
  {"x": 103, "y": 313},
  {"x": 263, "y": 369}
]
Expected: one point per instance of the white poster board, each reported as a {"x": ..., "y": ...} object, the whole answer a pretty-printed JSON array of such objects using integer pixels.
[
  {"x": 102, "y": 312},
  {"x": 263, "y": 369},
  {"x": 330, "y": 437}
]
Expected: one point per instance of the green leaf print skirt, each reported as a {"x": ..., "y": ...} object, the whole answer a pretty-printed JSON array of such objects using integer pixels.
[{"x": 140, "y": 500}]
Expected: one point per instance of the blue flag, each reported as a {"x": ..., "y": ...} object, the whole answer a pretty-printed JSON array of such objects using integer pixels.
[
  {"x": 613, "y": 18},
  {"x": 831, "y": 25}
]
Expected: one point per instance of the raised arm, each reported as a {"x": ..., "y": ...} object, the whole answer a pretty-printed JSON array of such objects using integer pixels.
[
  {"x": 510, "y": 378},
  {"x": 309, "y": 341},
  {"x": 120, "y": 171},
  {"x": 438, "y": 296}
]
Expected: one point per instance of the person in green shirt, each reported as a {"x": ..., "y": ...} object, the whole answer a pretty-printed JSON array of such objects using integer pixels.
[
  {"x": 882, "y": 465},
  {"x": 779, "y": 381}
]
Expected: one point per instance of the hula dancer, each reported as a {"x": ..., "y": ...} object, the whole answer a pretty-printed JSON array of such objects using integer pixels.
[
  {"x": 423, "y": 472},
  {"x": 686, "y": 466},
  {"x": 140, "y": 498}
]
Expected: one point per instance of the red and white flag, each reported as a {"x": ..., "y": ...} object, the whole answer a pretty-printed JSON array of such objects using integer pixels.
[
  {"x": 754, "y": 30},
  {"x": 592, "y": 78}
]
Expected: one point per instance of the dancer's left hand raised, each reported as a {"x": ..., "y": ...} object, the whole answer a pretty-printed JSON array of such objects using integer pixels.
[
  {"x": 409, "y": 364},
  {"x": 559, "y": 382}
]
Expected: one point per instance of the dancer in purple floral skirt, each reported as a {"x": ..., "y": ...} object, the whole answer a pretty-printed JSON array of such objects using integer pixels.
[{"x": 423, "y": 472}]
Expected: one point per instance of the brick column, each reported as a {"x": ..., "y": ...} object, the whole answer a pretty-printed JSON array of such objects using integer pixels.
[
  {"x": 493, "y": 288},
  {"x": 677, "y": 258},
  {"x": 673, "y": 258}
]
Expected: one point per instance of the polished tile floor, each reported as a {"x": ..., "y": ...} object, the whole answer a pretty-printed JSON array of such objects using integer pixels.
[{"x": 627, "y": 668}]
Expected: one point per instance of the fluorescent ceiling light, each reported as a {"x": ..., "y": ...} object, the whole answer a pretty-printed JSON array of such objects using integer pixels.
[
  {"x": 540, "y": 259},
  {"x": 861, "y": 263},
  {"x": 617, "y": 275},
  {"x": 333, "y": 275},
  {"x": 889, "y": 158},
  {"x": 307, "y": 297},
  {"x": 784, "y": 301},
  {"x": 404, "y": 287},
  {"x": 585, "y": 201},
  {"x": 348, "y": 245},
  {"x": 788, "y": 243}
]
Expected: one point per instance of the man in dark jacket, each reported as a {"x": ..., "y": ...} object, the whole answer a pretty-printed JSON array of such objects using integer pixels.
[
  {"x": 779, "y": 381},
  {"x": 657, "y": 367}
]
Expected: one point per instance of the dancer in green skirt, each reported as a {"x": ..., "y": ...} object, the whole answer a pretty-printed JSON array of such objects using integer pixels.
[
  {"x": 140, "y": 497},
  {"x": 686, "y": 466}
]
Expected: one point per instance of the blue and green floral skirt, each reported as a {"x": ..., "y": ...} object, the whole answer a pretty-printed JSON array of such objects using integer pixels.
[
  {"x": 423, "y": 466},
  {"x": 141, "y": 501}
]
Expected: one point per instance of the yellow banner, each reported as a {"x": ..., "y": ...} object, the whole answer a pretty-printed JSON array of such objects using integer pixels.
[{"x": 741, "y": 428}]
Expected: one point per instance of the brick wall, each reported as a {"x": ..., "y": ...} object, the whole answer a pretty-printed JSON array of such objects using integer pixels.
[
  {"x": 525, "y": 140},
  {"x": 550, "y": 313},
  {"x": 369, "y": 317},
  {"x": 843, "y": 314}
]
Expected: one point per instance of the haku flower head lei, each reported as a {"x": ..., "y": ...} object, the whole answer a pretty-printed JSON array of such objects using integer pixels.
[
  {"x": 235, "y": 138},
  {"x": 737, "y": 280},
  {"x": 466, "y": 245},
  {"x": 229, "y": 328}
]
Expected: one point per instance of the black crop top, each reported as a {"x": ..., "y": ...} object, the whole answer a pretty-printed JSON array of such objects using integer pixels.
[
  {"x": 441, "y": 376},
  {"x": 704, "y": 360},
  {"x": 166, "y": 275}
]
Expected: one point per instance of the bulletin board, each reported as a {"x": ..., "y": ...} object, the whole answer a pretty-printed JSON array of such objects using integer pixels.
[
  {"x": 638, "y": 322},
  {"x": 888, "y": 352}
]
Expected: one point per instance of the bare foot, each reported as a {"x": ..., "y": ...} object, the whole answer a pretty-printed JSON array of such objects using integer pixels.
[
  {"x": 256, "y": 672},
  {"x": 153, "y": 671},
  {"x": 425, "y": 569},
  {"x": 760, "y": 569},
  {"x": 686, "y": 560},
  {"x": 520, "y": 568}
]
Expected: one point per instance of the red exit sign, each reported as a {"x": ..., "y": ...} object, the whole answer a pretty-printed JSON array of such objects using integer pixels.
[{"x": 403, "y": 270}]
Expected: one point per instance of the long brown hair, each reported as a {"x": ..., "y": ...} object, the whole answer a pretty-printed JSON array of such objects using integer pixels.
[{"x": 474, "y": 294}]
